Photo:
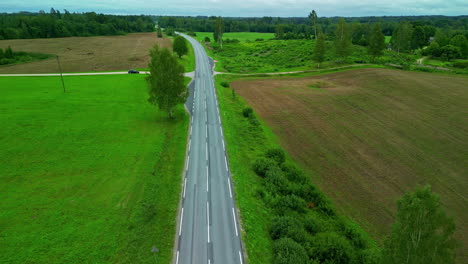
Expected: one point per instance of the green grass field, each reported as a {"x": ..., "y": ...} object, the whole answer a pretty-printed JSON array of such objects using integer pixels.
[
  {"x": 242, "y": 36},
  {"x": 288, "y": 55},
  {"x": 88, "y": 176}
]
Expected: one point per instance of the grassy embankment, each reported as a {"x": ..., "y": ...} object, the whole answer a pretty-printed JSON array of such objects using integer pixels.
[
  {"x": 366, "y": 136},
  {"x": 88, "y": 176},
  {"x": 259, "y": 200}
]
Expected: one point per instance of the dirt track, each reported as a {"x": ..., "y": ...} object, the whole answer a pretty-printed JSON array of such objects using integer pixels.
[
  {"x": 366, "y": 136},
  {"x": 85, "y": 54}
]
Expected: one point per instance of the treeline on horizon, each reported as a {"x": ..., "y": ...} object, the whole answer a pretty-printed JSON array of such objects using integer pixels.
[
  {"x": 300, "y": 27},
  {"x": 55, "y": 24}
]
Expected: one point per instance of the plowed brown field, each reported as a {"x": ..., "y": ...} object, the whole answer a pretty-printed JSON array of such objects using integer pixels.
[
  {"x": 366, "y": 136},
  {"x": 85, "y": 54}
]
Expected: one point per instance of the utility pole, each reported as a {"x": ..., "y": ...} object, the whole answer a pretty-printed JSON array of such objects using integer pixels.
[{"x": 61, "y": 76}]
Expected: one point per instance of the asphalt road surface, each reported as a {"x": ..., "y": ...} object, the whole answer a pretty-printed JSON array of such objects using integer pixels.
[{"x": 208, "y": 229}]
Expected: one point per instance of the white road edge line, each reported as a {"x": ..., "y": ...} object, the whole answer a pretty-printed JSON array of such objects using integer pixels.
[
  {"x": 188, "y": 162},
  {"x": 191, "y": 130},
  {"x": 235, "y": 224},
  {"x": 189, "y": 144},
  {"x": 225, "y": 162},
  {"x": 240, "y": 257},
  {"x": 207, "y": 177},
  {"x": 208, "y": 219},
  {"x": 185, "y": 185},
  {"x": 182, "y": 219},
  {"x": 206, "y": 153},
  {"x": 229, "y": 184},
  {"x": 222, "y": 140},
  {"x": 177, "y": 257}
]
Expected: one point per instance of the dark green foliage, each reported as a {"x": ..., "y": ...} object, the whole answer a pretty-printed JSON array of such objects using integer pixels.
[
  {"x": 8, "y": 53},
  {"x": 218, "y": 31},
  {"x": 166, "y": 80},
  {"x": 56, "y": 25},
  {"x": 422, "y": 233},
  {"x": 207, "y": 39},
  {"x": 276, "y": 154},
  {"x": 225, "y": 84},
  {"x": 169, "y": 31},
  {"x": 286, "y": 226},
  {"x": 314, "y": 224},
  {"x": 401, "y": 38},
  {"x": 159, "y": 33},
  {"x": 419, "y": 38},
  {"x": 275, "y": 181},
  {"x": 319, "y": 49},
  {"x": 433, "y": 50},
  {"x": 450, "y": 52},
  {"x": 247, "y": 112},
  {"x": 331, "y": 247},
  {"x": 461, "y": 42},
  {"x": 293, "y": 174},
  {"x": 376, "y": 42},
  {"x": 285, "y": 203},
  {"x": 287, "y": 251},
  {"x": 352, "y": 232},
  {"x": 262, "y": 165},
  {"x": 180, "y": 46},
  {"x": 279, "y": 33},
  {"x": 191, "y": 33},
  {"x": 342, "y": 40}
]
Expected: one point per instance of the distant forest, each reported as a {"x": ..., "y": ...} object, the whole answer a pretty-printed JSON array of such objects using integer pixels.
[
  {"x": 25, "y": 25},
  {"x": 300, "y": 27}
]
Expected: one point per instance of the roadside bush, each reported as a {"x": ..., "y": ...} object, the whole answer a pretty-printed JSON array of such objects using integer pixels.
[
  {"x": 276, "y": 154},
  {"x": 259, "y": 39},
  {"x": 286, "y": 226},
  {"x": 293, "y": 173},
  {"x": 287, "y": 251},
  {"x": 231, "y": 41},
  {"x": 225, "y": 84},
  {"x": 314, "y": 224},
  {"x": 285, "y": 203},
  {"x": 262, "y": 165},
  {"x": 330, "y": 247},
  {"x": 247, "y": 112},
  {"x": 207, "y": 39},
  {"x": 191, "y": 33},
  {"x": 354, "y": 234},
  {"x": 275, "y": 181}
]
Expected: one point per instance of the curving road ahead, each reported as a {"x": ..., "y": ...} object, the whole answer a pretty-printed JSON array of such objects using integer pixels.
[{"x": 208, "y": 229}]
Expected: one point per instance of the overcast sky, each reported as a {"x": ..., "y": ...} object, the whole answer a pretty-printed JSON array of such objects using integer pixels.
[{"x": 282, "y": 8}]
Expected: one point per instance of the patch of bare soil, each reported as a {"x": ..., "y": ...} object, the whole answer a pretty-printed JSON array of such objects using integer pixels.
[
  {"x": 86, "y": 54},
  {"x": 366, "y": 136}
]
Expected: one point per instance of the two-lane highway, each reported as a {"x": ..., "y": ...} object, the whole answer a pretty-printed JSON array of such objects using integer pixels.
[{"x": 208, "y": 230}]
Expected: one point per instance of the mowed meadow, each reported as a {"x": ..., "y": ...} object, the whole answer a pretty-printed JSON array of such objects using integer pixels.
[
  {"x": 86, "y": 54},
  {"x": 366, "y": 136},
  {"x": 88, "y": 176}
]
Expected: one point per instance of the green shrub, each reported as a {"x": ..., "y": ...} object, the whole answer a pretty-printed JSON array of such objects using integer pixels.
[
  {"x": 191, "y": 33},
  {"x": 262, "y": 165},
  {"x": 275, "y": 180},
  {"x": 287, "y": 251},
  {"x": 225, "y": 84},
  {"x": 314, "y": 224},
  {"x": 285, "y": 203},
  {"x": 207, "y": 39},
  {"x": 286, "y": 226},
  {"x": 354, "y": 234},
  {"x": 330, "y": 247},
  {"x": 247, "y": 112},
  {"x": 276, "y": 154},
  {"x": 293, "y": 173}
]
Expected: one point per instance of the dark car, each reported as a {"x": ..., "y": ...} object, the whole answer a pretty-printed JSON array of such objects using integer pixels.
[{"x": 133, "y": 71}]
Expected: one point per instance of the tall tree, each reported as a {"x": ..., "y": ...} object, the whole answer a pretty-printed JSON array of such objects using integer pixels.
[
  {"x": 180, "y": 46},
  {"x": 319, "y": 49},
  {"x": 279, "y": 32},
  {"x": 376, "y": 42},
  {"x": 166, "y": 80},
  {"x": 218, "y": 31},
  {"x": 419, "y": 38},
  {"x": 422, "y": 233},
  {"x": 461, "y": 42},
  {"x": 401, "y": 38},
  {"x": 313, "y": 18},
  {"x": 342, "y": 40}
]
